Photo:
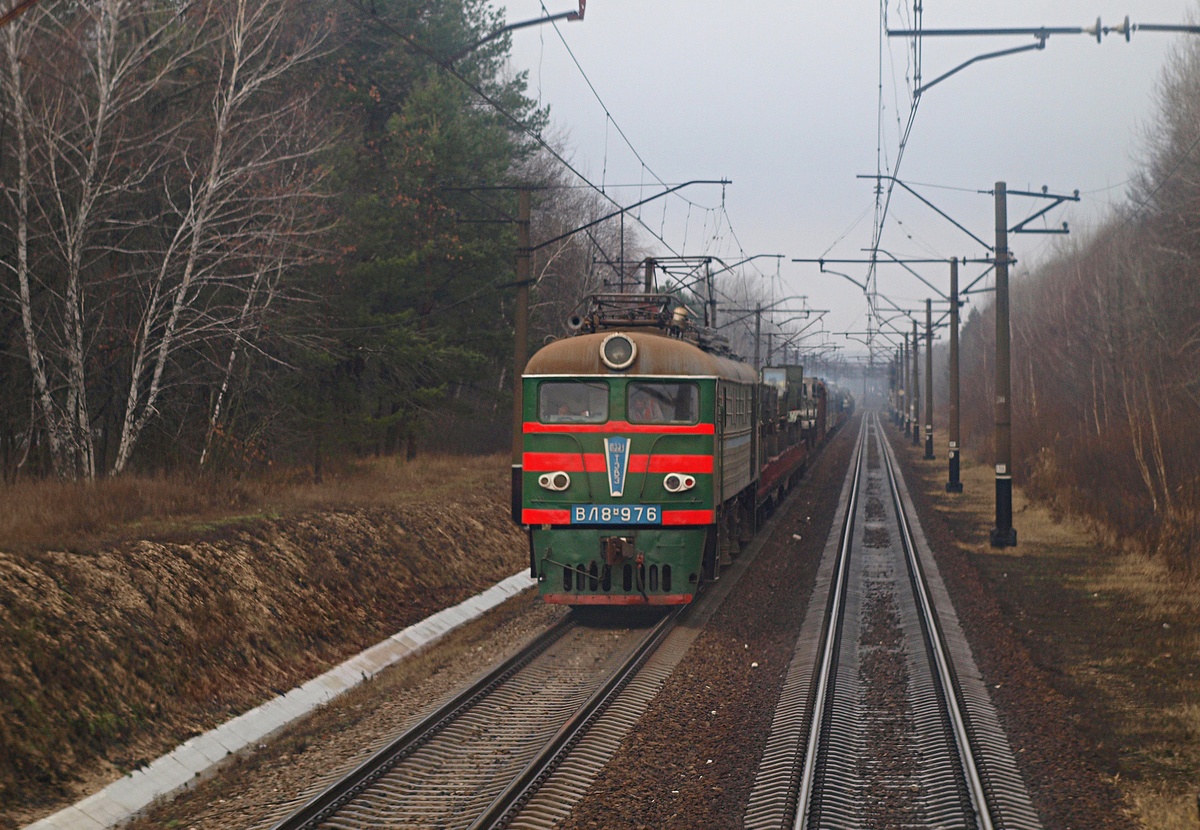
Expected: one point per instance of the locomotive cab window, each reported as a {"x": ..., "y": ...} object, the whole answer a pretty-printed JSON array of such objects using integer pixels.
[
  {"x": 572, "y": 402},
  {"x": 663, "y": 403}
]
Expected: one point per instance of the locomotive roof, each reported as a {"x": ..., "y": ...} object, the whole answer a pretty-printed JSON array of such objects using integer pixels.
[{"x": 657, "y": 354}]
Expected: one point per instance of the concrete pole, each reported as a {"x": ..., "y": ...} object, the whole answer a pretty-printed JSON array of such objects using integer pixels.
[
  {"x": 621, "y": 272},
  {"x": 755, "y": 404},
  {"x": 868, "y": 371},
  {"x": 907, "y": 390},
  {"x": 954, "y": 485},
  {"x": 520, "y": 347},
  {"x": 916, "y": 386},
  {"x": 1003, "y": 534},
  {"x": 928, "y": 379},
  {"x": 712, "y": 294},
  {"x": 757, "y": 337},
  {"x": 891, "y": 388}
]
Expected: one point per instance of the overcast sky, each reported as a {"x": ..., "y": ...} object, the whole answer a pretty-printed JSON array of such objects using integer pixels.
[{"x": 783, "y": 99}]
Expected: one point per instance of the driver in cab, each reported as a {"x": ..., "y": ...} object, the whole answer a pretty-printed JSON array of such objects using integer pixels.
[{"x": 644, "y": 408}]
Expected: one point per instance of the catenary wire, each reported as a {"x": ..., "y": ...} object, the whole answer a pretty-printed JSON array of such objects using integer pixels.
[
  {"x": 609, "y": 119},
  {"x": 497, "y": 106}
]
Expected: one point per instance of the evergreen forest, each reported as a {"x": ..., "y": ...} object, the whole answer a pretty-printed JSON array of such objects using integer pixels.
[{"x": 246, "y": 232}]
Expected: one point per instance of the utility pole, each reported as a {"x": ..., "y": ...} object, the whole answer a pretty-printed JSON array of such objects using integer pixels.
[
  {"x": 954, "y": 485},
  {"x": 891, "y": 386},
  {"x": 757, "y": 336},
  {"x": 520, "y": 345},
  {"x": 1003, "y": 534},
  {"x": 712, "y": 295},
  {"x": 907, "y": 390},
  {"x": 916, "y": 386},
  {"x": 869, "y": 370},
  {"x": 622, "y": 272},
  {"x": 928, "y": 379}
]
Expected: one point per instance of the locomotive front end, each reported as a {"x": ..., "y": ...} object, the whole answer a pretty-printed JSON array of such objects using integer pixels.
[{"x": 618, "y": 468}]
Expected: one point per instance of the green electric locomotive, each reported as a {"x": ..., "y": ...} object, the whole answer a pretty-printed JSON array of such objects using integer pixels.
[{"x": 642, "y": 457}]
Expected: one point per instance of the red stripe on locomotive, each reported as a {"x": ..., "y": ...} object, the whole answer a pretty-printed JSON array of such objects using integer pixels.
[
  {"x": 593, "y": 462},
  {"x": 623, "y": 426}
]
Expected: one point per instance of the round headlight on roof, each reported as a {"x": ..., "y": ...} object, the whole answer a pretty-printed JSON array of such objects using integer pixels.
[{"x": 618, "y": 351}]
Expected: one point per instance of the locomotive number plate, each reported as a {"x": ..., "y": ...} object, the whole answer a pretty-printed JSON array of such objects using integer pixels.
[{"x": 616, "y": 514}]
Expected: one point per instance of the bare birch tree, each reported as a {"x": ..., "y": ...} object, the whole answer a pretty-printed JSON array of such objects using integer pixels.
[
  {"x": 162, "y": 163},
  {"x": 15, "y": 90},
  {"x": 234, "y": 217},
  {"x": 90, "y": 69}
]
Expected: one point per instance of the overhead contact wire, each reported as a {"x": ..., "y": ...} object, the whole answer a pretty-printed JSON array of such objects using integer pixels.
[
  {"x": 522, "y": 126},
  {"x": 609, "y": 119}
]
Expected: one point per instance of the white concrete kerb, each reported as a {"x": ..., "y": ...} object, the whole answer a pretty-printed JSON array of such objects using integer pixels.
[{"x": 199, "y": 757}]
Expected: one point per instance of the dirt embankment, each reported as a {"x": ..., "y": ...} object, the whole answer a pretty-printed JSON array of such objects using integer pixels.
[{"x": 108, "y": 659}]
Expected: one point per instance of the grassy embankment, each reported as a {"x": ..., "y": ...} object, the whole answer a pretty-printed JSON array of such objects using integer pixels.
[{"x": 136, "y": 613}]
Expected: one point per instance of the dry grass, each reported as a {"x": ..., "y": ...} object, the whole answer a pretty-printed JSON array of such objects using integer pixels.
[
  {"x": 1145, "y": 673},
  {"x": 1156, "y": 588},
  {"x": 390, "y": 481},
  {"x": 1161, "y": 809},
  {"x": 1038, "y": 529},
  {"x": 45, "y": 515}
]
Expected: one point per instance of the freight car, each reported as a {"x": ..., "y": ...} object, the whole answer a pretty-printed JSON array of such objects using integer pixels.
[{"x": 650, "y": 454}]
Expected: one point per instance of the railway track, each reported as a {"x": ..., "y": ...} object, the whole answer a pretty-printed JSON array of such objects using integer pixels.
[
  {"x": 884, "y": 720},
  {"x": 477, "y": 758}
]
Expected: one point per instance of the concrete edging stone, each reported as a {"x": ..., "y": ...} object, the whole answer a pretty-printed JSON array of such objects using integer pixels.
[{"x": 201, "y": 756}]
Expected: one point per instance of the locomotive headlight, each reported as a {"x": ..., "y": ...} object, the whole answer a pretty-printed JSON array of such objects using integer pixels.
[
  {"x": 618, "y": 351},
  {"x": 558, "y": 481},
  {"x": 677, "y": 483}
]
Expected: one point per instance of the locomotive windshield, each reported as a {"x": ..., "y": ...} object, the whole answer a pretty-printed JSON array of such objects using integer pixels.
[
  {"x": 664, "y": 403},
  {"x": 572, "y": 402}
]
